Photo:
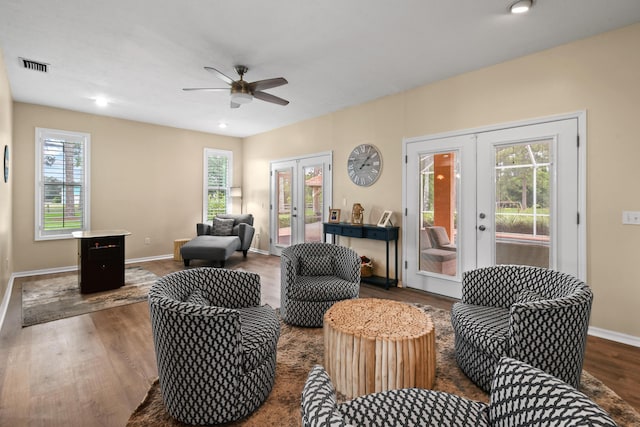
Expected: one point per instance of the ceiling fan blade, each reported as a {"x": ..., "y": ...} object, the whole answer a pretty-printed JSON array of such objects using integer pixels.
[
  {"x": 210, "y": 89},
  {"x": 221, "y": 76},
  {"x": 234, "y": 105},
  {"x": 267, "y": 84},
  {"x": 270, "y": 98}
]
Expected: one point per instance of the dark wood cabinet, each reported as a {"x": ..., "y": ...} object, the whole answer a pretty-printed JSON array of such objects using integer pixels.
[
  {"x": 100, "y": 260},
  {"x": 373, "y": 232}
]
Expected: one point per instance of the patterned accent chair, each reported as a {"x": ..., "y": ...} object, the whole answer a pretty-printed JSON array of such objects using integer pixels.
[
  {"x": 521, "y": 395},
  {"x": 315, "y": 276},
  {"x": 215, "y": 345},
  {"x": 533, "y": 314}
]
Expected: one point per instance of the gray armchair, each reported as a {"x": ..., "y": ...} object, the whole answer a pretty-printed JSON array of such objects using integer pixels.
[
  {"x": 219, "y": 239},
  {"x": 215, "y": 345},
  {"x": 533, "y": 314},
  {"x": 521, "y": 396},
  {"x": 314, "y": 276}
]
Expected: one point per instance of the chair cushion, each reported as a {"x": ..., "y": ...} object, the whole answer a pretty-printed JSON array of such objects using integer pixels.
[
  {"x": 322, "y": 288},
  {"x": 438, "y": 255},
  {"x": 210, "y": 247},
  {"x": 260, "y": 330},
  {"x": 487, "y": 328},
  {"x": 222, "y": 227},
  {"x": 322, "y": 265}
]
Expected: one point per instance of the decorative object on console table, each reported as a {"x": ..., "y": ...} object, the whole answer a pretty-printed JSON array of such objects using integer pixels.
[
  {"x": 334, "y": 216},
  {"x": 357, "y": 214},
  {"x": 368, "y": 231},
  {"x": 366, "y": 266},
  {"x": 385, "y": 219},
  {"x": 100, "y": 259}
]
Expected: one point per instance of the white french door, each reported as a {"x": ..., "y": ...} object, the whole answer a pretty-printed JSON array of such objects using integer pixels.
[
  {"x": 300, "y": 196},
  {"x": 505, "y": 196}
]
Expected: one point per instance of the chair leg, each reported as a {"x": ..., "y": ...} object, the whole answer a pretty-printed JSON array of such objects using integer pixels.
[{"x": 186, "y": 262}]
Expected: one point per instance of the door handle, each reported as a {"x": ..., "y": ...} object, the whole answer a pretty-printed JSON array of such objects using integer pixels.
[{"x": 482, "y": 228}]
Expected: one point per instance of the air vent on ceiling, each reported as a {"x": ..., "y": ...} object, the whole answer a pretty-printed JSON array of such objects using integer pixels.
[{"x": 34, "y": 65}]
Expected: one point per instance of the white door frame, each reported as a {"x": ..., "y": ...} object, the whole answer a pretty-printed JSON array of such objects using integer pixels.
[
  {"x": 297, "y": 165},
  {"x": 580, "y": 116}
]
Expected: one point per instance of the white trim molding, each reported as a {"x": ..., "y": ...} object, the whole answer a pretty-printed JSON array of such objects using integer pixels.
[{"x": 614, "y": 336}]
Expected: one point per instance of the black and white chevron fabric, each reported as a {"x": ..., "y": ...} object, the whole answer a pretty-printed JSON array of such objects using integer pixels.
[
  {"x": 314, "y": 276},
  {"x": 525, "y": 396},
  {"x": 533, "y": 314},
  {"x": 215, "y": 345},
  {"x": 521, "y": 396}
]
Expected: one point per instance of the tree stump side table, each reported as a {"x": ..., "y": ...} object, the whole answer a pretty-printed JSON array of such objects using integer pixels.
[
  {"x": 177, "y": 244},
  {"x": 373, "y": 345}
]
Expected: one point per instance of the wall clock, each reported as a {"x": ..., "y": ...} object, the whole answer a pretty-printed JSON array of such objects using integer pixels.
[
  {"x": 6, "y": 163},
  {"x": 364, "y": 165}
]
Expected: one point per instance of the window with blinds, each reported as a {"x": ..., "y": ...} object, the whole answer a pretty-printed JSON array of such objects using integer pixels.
[
  {"x": 217, "y": 176},
  {"x": 62, "y": 176}
]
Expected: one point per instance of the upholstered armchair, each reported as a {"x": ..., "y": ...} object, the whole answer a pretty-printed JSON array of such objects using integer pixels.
[
  {"x": 533, "y": 314},
  {"x": 314, "y": 276},
  {"x": 215, "y": 345},
  {"x": 521, "y": 396}
]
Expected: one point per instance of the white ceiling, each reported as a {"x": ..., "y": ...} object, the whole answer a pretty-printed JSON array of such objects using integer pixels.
[{"x": 335, "y": 53}]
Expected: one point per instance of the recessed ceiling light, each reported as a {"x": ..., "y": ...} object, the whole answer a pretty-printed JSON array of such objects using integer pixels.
[
  {"x": 101, "y": 101},
  {"x": 521, "y": 6},
  {"x": 222, "y": 125}
]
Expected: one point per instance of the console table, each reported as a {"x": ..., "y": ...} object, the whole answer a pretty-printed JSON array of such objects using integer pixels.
[
  {"x": 100, "y": 259},
  {"x": 367, "y": 231}
]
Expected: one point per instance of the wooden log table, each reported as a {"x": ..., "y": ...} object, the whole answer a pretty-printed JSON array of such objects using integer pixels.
[{"x": 373, "y": 345}]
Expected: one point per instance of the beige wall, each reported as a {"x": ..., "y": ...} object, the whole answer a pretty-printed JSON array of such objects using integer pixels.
[
  {"x": 6, "y": 236},
  {"x": 599, "y": 75},
  {"x": 144, "y": 178}
]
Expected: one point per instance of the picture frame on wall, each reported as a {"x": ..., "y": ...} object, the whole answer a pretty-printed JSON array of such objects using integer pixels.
[
  {"x": 385, "y": 219},
  {"x": 334, "y": 215}
]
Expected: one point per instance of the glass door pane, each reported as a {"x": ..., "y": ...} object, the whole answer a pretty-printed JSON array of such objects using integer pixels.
[
  {"x": 438, "y": 182},
  {"x": 523, "y": 196},
  {"x": 283, "y": 191},
  {"x": 313, "y": 203}
]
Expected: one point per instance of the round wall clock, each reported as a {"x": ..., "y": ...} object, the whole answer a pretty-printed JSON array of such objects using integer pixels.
[
  {"x": 6, "y": 163},
  {"x": 364, "y": 165}
]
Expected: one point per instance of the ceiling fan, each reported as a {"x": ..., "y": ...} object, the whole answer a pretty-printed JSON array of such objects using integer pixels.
[{"x": 243, "y": 92}]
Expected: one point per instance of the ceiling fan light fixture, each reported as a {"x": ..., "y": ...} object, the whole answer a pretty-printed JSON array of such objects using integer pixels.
[
  {"x": 241, "y": 98},
  {"x": 521, "y": 6}
]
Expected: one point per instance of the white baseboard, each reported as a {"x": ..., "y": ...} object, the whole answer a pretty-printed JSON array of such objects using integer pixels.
[
  {"x": 614, "y": 336},
  {"x": 75, "y": 267}
]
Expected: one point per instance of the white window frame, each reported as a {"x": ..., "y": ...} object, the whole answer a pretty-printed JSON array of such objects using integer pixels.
[
  {"x": 208, "y": 152},
  {"x": 41, "y": 135}
]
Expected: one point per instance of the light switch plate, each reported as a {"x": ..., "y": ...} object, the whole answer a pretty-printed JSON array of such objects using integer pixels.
[{"x": 631, "y": 217}]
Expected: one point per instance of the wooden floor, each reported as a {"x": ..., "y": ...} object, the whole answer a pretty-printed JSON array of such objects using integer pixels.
[{"x": 94, "y": 369}]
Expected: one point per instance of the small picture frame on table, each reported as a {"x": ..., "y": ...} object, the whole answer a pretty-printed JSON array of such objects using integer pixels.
[
  {"x": 385, "y": 219},
  {"x": 334, "y": 215}
]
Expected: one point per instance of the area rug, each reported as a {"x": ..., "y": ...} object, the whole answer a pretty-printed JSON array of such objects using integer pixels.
[
  {"x": 44, "y": 300},
  {"x": 300, "y": 348}
]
